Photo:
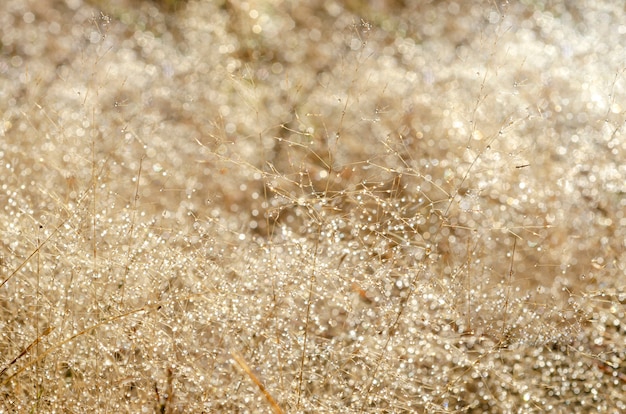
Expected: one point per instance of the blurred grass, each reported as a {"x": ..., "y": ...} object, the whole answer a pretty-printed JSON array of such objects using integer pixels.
[{"x": 376, "y": 206}]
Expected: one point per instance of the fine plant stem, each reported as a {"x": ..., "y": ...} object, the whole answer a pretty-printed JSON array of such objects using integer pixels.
[
  {"x": 26, "y": 351},
  {"x": 131, "y": 229},
  {"x": 38, "y": 311},
  {"x": 391, "y": 331},
  {"x": 35, "y": 252},
  {"x": 307, "y": 317},
  {"x": 255, "y": 379},
  {"x": 505, "y": 312},
  {"x": 468, "y": 288},
  {"x": 61, "y": 343},
  {"x": 94, "y": 184}
]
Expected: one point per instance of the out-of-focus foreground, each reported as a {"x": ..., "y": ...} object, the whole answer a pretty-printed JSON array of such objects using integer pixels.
[{"x": 312, "y": 206}]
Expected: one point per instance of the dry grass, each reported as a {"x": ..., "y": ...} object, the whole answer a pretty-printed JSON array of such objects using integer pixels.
[{"x": 229, "y": 206}]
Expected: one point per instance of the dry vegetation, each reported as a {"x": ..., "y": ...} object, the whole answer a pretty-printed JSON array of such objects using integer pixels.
[{"x": 312, "y": 206}]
